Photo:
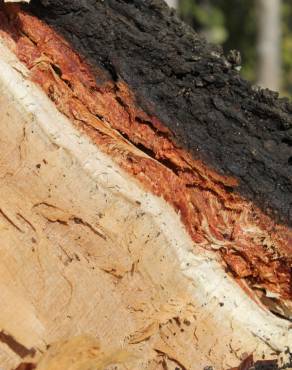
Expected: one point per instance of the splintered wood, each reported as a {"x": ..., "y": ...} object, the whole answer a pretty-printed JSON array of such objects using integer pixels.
[{"x": 119, "y": 250}]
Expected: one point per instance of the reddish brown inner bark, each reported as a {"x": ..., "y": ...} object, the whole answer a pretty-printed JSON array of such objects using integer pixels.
[{"x": 252, "y": 245}]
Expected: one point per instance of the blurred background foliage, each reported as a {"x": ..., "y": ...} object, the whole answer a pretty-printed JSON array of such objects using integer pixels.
[
  {"x": 234, "y": 25},
  {"x": 286, "y": 49}
]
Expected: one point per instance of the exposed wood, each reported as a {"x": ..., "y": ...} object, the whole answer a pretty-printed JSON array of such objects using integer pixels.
[
  {"x": 114, "y": 230},
  {"x": 16, "y": 1}
]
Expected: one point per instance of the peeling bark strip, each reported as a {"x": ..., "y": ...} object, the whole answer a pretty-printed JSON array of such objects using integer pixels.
[{"x": 253, "y": 246}]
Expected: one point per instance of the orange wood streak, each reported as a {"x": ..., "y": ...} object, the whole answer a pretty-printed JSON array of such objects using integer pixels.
[{"x": 252, "y": 245}]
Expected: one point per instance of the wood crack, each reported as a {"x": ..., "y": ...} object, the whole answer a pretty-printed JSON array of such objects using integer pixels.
[
  {"x": 8, "y": 219},
  {"x": 16, "y": 346}
]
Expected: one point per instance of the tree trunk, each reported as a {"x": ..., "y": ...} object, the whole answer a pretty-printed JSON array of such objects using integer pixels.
[
  {"x": 145, "y": 195},
  {"x": 172, "y": 3},
  {"x": 269, "y": 43}
]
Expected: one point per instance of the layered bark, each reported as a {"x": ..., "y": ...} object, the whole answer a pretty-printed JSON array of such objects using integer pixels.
[
  {"x": 188, "y": 130},
  {"x": 180, "y": 79}
]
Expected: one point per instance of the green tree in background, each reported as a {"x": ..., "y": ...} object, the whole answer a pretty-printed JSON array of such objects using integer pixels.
[
  {"x": 205, "y": 17},
  {"x": 287, "y": 47},
  {"x": 234, "y": 24}
]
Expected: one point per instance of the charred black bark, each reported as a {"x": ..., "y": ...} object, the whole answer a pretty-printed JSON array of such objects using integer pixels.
[{"x": 191, "y": 87}]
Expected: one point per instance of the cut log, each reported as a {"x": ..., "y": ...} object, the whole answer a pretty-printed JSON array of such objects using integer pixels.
[{"x": 145, "y": 195}]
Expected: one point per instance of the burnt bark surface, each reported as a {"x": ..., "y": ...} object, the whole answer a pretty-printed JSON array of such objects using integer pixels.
[{"x": 191, "y": 87}]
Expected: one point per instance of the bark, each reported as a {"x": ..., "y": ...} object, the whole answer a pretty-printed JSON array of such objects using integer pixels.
[
  {"x": 191, "y": 88},
  {"x": 145, "y": 202}
]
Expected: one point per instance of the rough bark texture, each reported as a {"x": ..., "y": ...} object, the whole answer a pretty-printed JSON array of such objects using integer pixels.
[
  {"x": 140, "y": 182},
  {"x": 178, "y": 77}
]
